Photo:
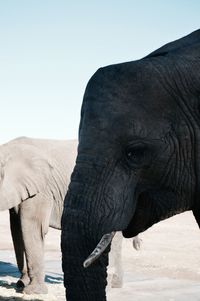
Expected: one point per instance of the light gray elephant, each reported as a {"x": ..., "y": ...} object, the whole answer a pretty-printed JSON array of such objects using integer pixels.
[{"x": 34, "y": 178}]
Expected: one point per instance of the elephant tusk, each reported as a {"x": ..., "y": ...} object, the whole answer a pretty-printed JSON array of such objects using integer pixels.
[{"x": 100, "y": 248}]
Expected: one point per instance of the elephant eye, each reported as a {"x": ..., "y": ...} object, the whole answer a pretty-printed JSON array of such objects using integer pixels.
[{"x": 136, "y": 155}]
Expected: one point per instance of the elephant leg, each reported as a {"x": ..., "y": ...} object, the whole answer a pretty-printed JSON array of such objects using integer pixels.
[
  {"x": 35, "y": 215},
  {"x": 15, "y": 226},
  {"x": 115, "y": 270}
]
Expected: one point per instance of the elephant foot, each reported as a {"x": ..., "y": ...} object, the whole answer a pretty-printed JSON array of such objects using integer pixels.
[
  {"x": 36, "y": 288},
  {"x": 23, "y": 281}
]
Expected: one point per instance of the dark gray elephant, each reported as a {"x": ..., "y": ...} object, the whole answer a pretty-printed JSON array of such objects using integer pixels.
[{"x": 138, "y": 157}]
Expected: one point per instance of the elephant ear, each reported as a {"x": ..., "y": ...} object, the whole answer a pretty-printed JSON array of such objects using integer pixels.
[
  {"x": 189, "y": 44},
  {"x": 24, "y": 173}
]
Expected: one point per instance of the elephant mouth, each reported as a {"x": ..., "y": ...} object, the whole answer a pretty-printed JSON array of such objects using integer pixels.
[
  {"x": 106, "y": 240},
  {"x": 140, "y": 218},
  {"x": 101, "y": 246}
]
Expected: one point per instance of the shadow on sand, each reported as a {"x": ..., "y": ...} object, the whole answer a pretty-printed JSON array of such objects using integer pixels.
[
  {"x": 8, "y": 269},
  {"x": 11, "y": 270}
]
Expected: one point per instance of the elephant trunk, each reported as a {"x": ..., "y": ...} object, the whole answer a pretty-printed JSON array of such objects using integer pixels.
[
  {"x": 81, "y": 233},
  {"x": 89, "y": 213},
  {"x": 86, "y": 284}
]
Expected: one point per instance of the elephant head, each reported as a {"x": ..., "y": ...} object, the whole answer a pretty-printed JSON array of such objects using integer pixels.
[
  {"x": 137, "y": 157},
  {"x": 24, "y": 172}
]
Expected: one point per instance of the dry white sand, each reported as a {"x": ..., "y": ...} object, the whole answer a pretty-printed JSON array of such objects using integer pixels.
[{"x": 166, "y": 268}]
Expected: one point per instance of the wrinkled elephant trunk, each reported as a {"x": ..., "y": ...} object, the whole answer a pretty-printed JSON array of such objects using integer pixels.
[
  {"x": 89, "y": 213},
  {"x": 85, "y": 284},
  {"x": 81, "y": 233}
]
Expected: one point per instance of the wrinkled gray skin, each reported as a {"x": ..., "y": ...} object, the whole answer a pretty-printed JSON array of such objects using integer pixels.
[
  {"x": 34, "y": 177},
  {"x": 138, "y": 157}
]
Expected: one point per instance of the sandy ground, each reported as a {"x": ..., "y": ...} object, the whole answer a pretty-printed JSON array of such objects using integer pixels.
[{"x": 166, "y": 268}]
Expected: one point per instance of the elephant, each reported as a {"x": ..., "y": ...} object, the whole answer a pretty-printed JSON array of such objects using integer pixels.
[
  {"x": 34, "y": 177},
  {"x": 137, "y": 161}
]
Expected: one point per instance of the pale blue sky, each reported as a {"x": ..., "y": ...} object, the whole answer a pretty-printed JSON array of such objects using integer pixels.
[{"x": 49, "y": 50}]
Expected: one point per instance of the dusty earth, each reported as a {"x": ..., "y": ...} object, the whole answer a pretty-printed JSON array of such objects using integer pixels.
[{"x": 166, "y": 268}]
